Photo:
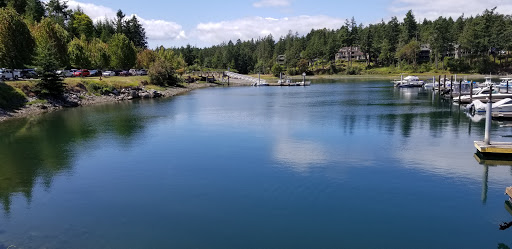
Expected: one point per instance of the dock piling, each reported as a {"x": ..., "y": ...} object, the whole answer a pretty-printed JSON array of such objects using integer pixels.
[
  {"x": 470, "y": 92},
  {"x": 460, "y": 92},
  {"x": 451, "y": 87},
  {"x": 439, "y": 86},
  {"x": 488, "y": 119}
]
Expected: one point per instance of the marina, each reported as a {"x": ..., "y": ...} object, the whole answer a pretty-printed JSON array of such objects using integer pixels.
[{"x": 309, "y": 156}]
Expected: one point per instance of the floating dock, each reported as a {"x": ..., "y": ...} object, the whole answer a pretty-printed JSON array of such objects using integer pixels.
[
  {"x": 488, "y": 150},
  {"x": 495, "y": 147}
]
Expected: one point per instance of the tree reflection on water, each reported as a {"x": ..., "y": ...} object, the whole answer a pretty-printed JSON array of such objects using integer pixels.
[{"x": 35, "y": 150}]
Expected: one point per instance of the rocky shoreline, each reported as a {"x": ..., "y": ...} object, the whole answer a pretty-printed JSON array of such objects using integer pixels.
[{"x": 82, "y": 98}]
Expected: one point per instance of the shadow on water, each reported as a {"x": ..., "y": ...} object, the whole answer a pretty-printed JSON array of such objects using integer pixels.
[
  {"x": 39, "y": 148},
  {"x": 503, "y": 246}
]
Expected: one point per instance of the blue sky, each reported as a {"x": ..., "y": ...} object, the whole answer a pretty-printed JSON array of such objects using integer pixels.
[{"x": 205, "y": 23}]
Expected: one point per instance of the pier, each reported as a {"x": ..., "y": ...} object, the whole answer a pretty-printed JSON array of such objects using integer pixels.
[{"x": 502, "y": 150}]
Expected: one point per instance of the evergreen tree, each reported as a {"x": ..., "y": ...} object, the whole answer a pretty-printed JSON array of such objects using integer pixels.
[
  {"x": 410, "y": 28},
  {"x": 120, "y": 22},
  {"x": 34, "y": 11},
  {"x": 18, "y": 5},
  {"x": 122, "y": 52},
  {"x": 50, "y": 84},
  {"x": 58, "y": 11},
  {"x": 135, "y": 32}
]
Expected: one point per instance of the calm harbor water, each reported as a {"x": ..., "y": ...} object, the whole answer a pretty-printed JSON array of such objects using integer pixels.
[{"x": 349, "y": 164}]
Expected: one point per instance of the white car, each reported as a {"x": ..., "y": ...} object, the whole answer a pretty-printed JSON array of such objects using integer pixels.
[
  {"x": 109, "y": 73},
  {"x": 8, "y": 74}
]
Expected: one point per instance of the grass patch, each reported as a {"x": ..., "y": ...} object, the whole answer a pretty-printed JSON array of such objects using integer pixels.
[
  {"x": 37, "y": 101},
  {"x": 115, "y": 81},
  {"x": 11, "y": 98}
]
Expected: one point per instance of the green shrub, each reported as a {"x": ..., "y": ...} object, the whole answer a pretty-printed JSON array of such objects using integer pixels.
[
  {"x": 98, "y": 88},
  {"x": 276, "y": 70},
  {"x": 162, "y": 73}
]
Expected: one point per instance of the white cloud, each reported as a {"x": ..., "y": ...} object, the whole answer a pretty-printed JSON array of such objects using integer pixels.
[
  {"x": 271, "y": 3},
  {"x": 156, "y": 30},
  {"x": 255, "y": 27},
  {"x": 160, "y": 30},
  {"x": 432, "y": 9},
  {"x": 95, "y": 12}
]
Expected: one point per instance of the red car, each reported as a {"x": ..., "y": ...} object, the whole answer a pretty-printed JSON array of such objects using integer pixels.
[{"x": 83, "y": 73}]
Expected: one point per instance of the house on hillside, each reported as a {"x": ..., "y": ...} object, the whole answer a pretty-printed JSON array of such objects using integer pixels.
[
  {"x": 424, "y": 55},
  {"x": 350, "y": 54}
]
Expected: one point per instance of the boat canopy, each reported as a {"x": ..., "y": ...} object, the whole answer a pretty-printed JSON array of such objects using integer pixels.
[{"x": 412, "y": 78}]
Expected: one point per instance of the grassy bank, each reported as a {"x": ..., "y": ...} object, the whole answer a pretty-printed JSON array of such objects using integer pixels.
[{"x": 18, "y": 94}]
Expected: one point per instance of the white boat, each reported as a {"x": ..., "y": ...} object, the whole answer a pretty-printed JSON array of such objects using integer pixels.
[
  {"x": 289, "y": 82},
  {"x": 505, "y": 82},
  {"x": 483, "y": 95},
  {"x": 487, "y": 83},
  {"x": 260, "y": 83},
  {"x": 431, "y": 85},
  {"x": 478, "y": 107},
  {"x": 463, "y": 88},
  {"x": 409, "y": 81}
]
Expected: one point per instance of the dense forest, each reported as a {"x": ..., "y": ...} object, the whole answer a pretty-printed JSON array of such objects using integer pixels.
[
  {"x": 32, "y": 31},
  {"x": 483, "y": 43}
]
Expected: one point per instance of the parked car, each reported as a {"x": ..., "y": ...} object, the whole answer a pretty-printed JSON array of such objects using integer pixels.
[
  {"x": 109, "y": 73},
  {"x": 138, "y": 72},
  {"x": 9, "y": 74},
  {"x": 124, "y": 73},
  {"x": 28, "y": 74},
  {"x": 94, "y": 72},
  {"x": 65, "y": 73},
  {"x": 82, "y": 73}
]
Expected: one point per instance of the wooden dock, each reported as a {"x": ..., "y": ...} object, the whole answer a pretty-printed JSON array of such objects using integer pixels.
[{"x": 494, "y": 149}]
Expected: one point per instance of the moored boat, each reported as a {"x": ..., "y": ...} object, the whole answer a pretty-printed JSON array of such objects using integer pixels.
[
  {"x": 478, "y": 107},
  {"x": 409, "y": 81}
]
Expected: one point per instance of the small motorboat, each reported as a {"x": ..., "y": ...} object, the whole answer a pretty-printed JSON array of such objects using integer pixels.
[{"x": 479, "y": 107}]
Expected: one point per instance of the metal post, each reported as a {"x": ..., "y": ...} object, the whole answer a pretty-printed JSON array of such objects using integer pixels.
[
  {"x": 439, "y": 86},
  {"x": 460, "y": 92},
  {"x": 451, "y": 87},
  {"x": 470, "y": 92},
  {"x": 488, "y": 119}
]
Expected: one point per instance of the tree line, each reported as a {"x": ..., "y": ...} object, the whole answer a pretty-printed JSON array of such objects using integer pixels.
[
  {"x": 51, "y": 36},
  {"x": 482, "y": 43},
  {"x": 29, "y": 29}
]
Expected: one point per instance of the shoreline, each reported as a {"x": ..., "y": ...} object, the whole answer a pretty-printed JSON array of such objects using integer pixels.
[{"x": 39, "y": 109}]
